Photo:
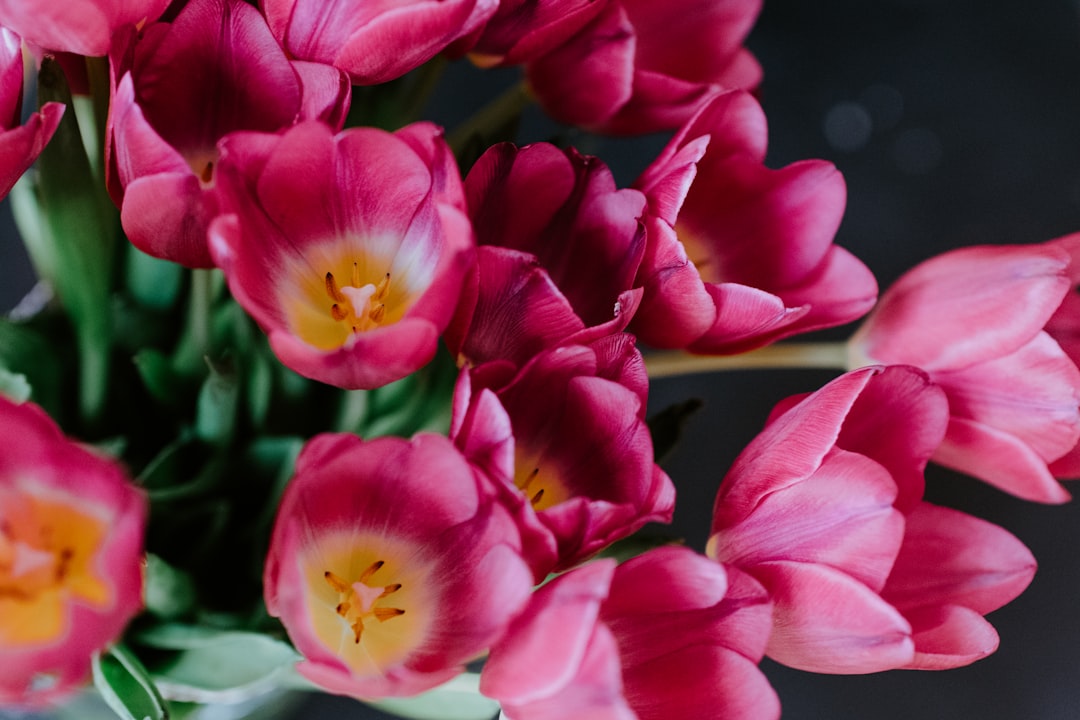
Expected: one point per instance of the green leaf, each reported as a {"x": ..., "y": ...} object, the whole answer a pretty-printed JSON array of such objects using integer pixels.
[
  {"x": 458, "y": 699},
  {"x": 215, "y": 415},
  {"x": 161, "y": 380},
  {"x": 667, "y": 426},
  {"x": 14, "y": 386},
  {"x": 217, "y": 666},
  {"x": 126, "y": 687},
  {"x": 170, "y": 593},
  {"x": 154, "y": 283}
]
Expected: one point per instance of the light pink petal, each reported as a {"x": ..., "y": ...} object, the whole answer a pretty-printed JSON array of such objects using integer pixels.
[
  {"x": 825, "y": 621},
  {"x": 842, "y": 290},
  {"x": 951, "y": 558},
  {"x": 899, "y": 420},
  {"x": 841, "y": 516},
  {"x": 544, "y": 648},
  {"x": 1032, "y": 394},
  {"x": 999, "y": 458},
  {"x": 950, "y": 637},
  {"x": 772, "y": 461},
  {"x": 966, "y": 306}
]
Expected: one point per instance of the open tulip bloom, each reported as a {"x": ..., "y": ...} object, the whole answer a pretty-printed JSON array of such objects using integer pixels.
[{"x": 362, "y": 405}]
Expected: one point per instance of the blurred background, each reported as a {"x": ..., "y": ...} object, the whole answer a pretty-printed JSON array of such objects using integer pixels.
[{"x": 954, "y": 123}]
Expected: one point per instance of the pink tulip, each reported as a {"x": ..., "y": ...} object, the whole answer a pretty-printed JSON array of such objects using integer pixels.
[
  {"x": 349, "y": 250},
  {"x": 182, "y": 87},
  {"x": 83, "y": 27},
  {"x": 566, "y": 439},
  {"x": 71, "y": 544},
  {"x": 20, "y": 144},
  {"x": 390, "y": 564},
  {"x": 373, "y": 41},
  {"x": 643, "y": 66},
  {"x": 740, "y": 255},
  {"x": 973, "y": 319},
  {"x": 824, "y": 509},
  {"x": 668, "y": 634},
  {"x": 564, "y": 209},
  {"x": 523, "y": 30}
]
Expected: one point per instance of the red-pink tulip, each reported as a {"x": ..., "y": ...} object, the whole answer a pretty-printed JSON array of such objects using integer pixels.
[
  {"x": 563, "y": 208},
  {"x": 390, "y": 564},
  {"x": 567, "y": 437},
  {"x": 182, "y": 87},
  {"x": 973, "y": 319},
  {"x": 71, "y": 539},
  {"x": 739, "y": 255},
  {"x": 20, "y": 144},
  {"x": 668, "y": 634},
  {"x": 373, "y": 41},
  {"x": 523, "y": 30},
  {"x": 84, "y": 27},
  {"x": 642, "y": 66},
  {"x": 824, "y": 509},
  {"x": 349, "y": 250}
]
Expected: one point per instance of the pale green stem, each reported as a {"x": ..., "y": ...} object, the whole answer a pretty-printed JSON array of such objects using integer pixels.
[
  {"x": 490, "y": 117},
  {"x": 832, "y": 356},
  {"x": 195, "y": 343}
]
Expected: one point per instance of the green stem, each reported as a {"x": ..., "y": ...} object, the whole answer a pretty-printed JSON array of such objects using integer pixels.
[
  {"x": 832, "y": 356},
  {"x": 195, "y": 344},
  {"x": 488, "y": 119}
]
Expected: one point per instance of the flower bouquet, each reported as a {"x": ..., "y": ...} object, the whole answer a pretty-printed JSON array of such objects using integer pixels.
[{"x": 313, "y": 394}]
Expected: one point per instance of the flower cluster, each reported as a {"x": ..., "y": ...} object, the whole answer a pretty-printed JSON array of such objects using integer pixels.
[{"x": 434, "y": 447}]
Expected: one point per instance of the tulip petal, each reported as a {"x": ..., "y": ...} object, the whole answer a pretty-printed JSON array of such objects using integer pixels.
[
  {"x": 825, "y": 621},
  {"x": 950, "y": 637},
  {"x": 999, "y": 458},
  {"x": 1006, "y": 292}
]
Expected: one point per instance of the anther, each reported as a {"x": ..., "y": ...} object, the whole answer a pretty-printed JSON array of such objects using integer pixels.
[
  {"x": 390, "y": 589},
  {"x": 332, "y": 289},
  {"x": 335, "y": 582},
  {"x": 536, "y": 498},
  {"x": 384, "y": 614},
  {"x": 371, "y": 570}
]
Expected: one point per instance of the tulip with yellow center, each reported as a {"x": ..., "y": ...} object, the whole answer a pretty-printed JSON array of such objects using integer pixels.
[
  {"x": 350, "y": 250},
  {"x": 71, "y": 538},
  {"x": 392, "y": 564}
]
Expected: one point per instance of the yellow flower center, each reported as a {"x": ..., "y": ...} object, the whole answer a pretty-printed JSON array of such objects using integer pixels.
[
  {"x": 47, "y": 551},
  {"x": 367, "y": 600},
  {"x": 342, "y": 289},
  {"x": 543, "y": 487}
]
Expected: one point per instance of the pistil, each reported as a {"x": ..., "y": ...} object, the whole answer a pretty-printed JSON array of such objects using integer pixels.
[
  {"x": 361, "y": 305},
  {"x": 356, "y": 601}
]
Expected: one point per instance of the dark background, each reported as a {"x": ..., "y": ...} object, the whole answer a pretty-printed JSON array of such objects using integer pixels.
[{"x": 954, "y": 123}]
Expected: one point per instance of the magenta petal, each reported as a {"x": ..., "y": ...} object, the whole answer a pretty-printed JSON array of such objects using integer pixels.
[
  {"x": 371, "y": 360},
  {"x": 950, "y": 637},
  {"x": 927, "y": 317},
  {"x": 711, "y": 682},
  {"x": 825, "y": 621},
  {"x": 999, "y": 458},
  {"x": 175, "y": 228},
  {"x": 327, "y": 93},
  {"x": 20, "y": 146},
  {"x": 586, "y": 81},
  {"x": 745, "y": 318}
]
